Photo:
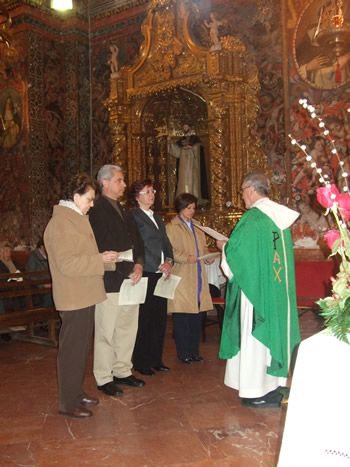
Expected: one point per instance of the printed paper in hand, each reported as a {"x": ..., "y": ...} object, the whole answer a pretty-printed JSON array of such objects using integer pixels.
[
  {"x": 166, "y": 287},
  {"x": 211, "y": 232},
  {"x": 133, "y": 294},
  {"x": 125, "y": 256},
  {"x": 215, "y": 254}
]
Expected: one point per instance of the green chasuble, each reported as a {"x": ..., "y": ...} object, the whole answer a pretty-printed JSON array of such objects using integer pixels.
[{"x": 260, "y": 256}]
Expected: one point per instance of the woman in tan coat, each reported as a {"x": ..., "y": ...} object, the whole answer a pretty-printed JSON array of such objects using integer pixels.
[
  {"x": 77, "y": 270},
  {"x": 192, "y": 294}
]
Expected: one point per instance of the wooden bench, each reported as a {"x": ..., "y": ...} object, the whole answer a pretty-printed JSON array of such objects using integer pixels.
[{"x": 19, "y": 293}]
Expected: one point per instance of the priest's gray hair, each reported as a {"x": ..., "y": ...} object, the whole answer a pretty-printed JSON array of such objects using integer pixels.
[
  {"x": 106, "y": 172},
  {"x": 259, "y": 181}
]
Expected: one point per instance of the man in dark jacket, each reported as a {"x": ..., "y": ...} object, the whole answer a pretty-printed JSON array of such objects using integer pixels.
[{"x": 115, "y": 324}]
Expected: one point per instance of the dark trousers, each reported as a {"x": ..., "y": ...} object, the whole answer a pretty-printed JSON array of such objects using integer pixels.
[
  {"x": 148, "y": 350},
  {"x": 187, "y": 333},
  {"x": 74, "y": 346}
]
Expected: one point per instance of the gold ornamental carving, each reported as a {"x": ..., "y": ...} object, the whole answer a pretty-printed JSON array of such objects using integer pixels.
[
  {"x": 233, "y": 44},
  {"x": 218, "y": 150},
  {"x": 177, "y": 82}
]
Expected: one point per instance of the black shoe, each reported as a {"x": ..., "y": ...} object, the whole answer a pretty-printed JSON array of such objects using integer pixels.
[
  {"x": 186, "y": 360},
  {"x": 196, "y": 358},
  {"x": 261, "y": 404},
  {"x": 145, "y": 371},
  {"x": 274, "y": 396},
  {"x": 130, "y": 381},
  {"x": 110, "y": 389},
  {"x": 270, "y": 400},
  {"x": 161, "y": 368}
]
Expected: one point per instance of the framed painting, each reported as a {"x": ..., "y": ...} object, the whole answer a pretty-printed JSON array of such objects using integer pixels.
[
  {"x": 11, "y": 118},
  {"x": 322, "y": 43}
]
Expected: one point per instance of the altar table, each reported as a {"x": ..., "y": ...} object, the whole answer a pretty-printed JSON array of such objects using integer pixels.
[{"x": 313, "y": 279}]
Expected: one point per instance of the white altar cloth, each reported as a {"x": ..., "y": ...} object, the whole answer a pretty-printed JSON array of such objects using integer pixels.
[
  {"x": 317, "y": 427},
  {"x": 215, "y": 275}
]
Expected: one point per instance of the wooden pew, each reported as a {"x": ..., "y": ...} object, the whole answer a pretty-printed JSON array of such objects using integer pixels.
[{"x": 21, "y": 289}]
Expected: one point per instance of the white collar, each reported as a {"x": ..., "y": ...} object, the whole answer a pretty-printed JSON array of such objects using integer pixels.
[
  {"x": 281, "y": 215},
  {"x": 70, "y": 205},
  {"x": 149, "y": 212}
]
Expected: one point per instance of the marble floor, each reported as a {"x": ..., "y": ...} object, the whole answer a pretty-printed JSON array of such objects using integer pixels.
[{"x": 185, "y": 417}]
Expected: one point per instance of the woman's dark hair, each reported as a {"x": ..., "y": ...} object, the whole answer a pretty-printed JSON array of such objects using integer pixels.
[
  {"x": 135, "y": 189},
  {"x": 183, "y": 200},
  {"x": 78, "y": 184}
]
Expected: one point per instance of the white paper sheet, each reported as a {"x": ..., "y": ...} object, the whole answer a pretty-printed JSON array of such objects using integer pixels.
[
  {"x": 166, "y": 287},
  {"x": 213, "y": 255},
  {"x": 133, "y": 294},
  {"x": 125, "y": 256},
  {"x": 211, "y": 232}
]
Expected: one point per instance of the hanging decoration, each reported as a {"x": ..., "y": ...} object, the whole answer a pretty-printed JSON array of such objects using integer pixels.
[{"x": 335, "y": 309}]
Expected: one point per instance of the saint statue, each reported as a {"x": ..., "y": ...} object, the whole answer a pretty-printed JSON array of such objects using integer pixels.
[
  {"x": 113, "y": 61},
  {"x": 191, "y": 169},
  {"x": 213, "y": 26}
]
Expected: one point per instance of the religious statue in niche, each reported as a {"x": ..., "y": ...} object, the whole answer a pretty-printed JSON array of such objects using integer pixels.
[
  {"x": 10, "y": 118},
  {"x": 213, "y": 26},
  {"x": 113, "y": 60},
  {"x": 191, "y": 167},
  {"x": 322, "y": 43}
]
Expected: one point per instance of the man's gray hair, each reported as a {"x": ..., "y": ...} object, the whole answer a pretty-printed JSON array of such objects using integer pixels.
[
  {"x": 259, "y": 181},
  {"x": 106, "y": 172}
]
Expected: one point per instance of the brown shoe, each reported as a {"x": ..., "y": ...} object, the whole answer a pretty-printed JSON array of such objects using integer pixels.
[
  {"x": 89, "y": 400},
  {"x": 78, "y": 412}
]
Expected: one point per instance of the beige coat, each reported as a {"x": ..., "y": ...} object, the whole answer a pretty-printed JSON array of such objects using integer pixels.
[
  {"x": 183, "y": 244},
  {"x": 76, "y": 266}
]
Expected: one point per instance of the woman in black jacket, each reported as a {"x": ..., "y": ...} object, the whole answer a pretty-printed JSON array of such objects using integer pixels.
[{"x": 148, "y": 349}]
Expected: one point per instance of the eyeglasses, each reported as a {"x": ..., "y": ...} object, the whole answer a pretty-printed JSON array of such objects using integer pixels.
[
  {"x": 245, "y": 187},
  {"x": 148, "y": 192}
]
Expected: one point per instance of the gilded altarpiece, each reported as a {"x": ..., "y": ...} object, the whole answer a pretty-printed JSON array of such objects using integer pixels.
[{"x": 177, "y": 82}]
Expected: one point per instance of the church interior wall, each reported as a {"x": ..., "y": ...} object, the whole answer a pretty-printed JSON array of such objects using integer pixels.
[
  {"x": 62, "y": 75},
  {"x": 331, "y": 101},
  {"x": 50, "y": 71}
]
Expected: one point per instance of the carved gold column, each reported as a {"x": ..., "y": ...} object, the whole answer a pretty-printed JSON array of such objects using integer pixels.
[
  {"x": 162, "y": 177},
  {"x": 150, "y": 143},
  {"x": 118, "y": 123},
  {"x": 137, "y": 159},
  {"x": 218, "y": 153}
]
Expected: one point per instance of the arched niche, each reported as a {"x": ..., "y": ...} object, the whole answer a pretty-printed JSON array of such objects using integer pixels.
[
  {"x": 176, "y": 81},
  {"x": 162, "y": 121}
]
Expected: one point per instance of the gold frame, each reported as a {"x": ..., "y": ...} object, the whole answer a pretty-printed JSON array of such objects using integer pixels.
[{"x": 226, "y": 79}]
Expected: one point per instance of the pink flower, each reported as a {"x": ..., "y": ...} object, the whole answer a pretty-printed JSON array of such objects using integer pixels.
[
  {"x": 344, "y": 206},
  {"x": 327, "y": 195},
  {"x": 331, "y": 236}
]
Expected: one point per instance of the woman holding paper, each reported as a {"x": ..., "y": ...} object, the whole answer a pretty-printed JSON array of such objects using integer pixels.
[
  {"x": 77, "y": 270},
  {"x": 192, "y": 294},
  {"x": 148, "y": 350}
]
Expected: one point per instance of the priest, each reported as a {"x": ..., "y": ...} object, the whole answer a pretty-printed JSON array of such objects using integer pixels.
[{"x": 260, "y": 329}]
